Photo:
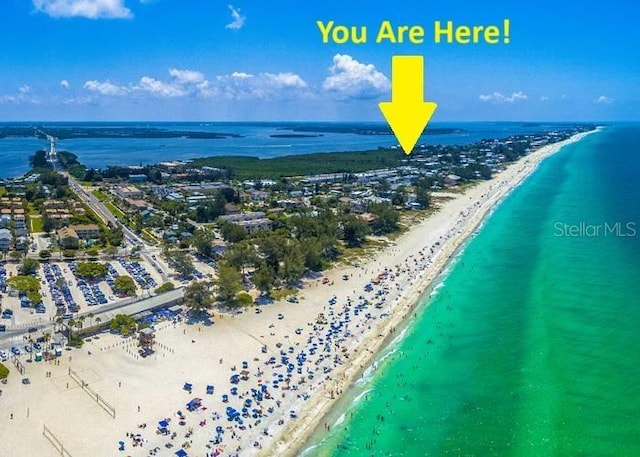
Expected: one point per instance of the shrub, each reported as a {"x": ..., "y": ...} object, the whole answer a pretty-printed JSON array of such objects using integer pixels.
[
  {"x": 166, "y": 287},
  {"x": 4, "y": 371}
]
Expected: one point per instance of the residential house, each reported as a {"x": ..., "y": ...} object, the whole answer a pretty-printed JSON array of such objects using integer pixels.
[
  {"x": 5, "y": 239},
  {"x": 125, "y": 192},
  {"x": 86, "y": 231},
  {"x": 68, "y": 238}
]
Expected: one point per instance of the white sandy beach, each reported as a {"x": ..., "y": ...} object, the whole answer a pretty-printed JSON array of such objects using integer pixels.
[{"x": 314, "y": 361}]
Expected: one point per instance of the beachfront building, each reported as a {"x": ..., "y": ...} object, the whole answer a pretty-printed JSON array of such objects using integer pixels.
[
  {"x": 451, "y": 180},
  {"x": 250, "y": 221}
]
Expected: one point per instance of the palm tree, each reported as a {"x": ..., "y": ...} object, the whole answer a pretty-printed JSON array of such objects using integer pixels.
[
  {"x": 31, "y": 351},
  {"x": 59, "y": 322},
  {"x": 70, "y": 324},
  {"x": 90, "y": 316},
  {"x": 46, "y": 336},
  {"x": 80, "y": 322},
  {"x": 98, "y": 320}
]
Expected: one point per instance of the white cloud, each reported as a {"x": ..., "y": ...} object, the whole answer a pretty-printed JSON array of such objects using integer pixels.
[
  {"x": 352, "y": 79},
  {"x": 241, "y": 75},
  {"x": 182, "y": 83},
  {"x": 23, "y": 95},
  {"x": 105, "y": 87},
  {"x": 186, "y": 76},
  {"x": 64, "y": 83},
  {"x": 497, "y": 97},
  {"x": 604, "y": 100},
  {"x": 191, "y": 83},
  {"x": 544, "y": 98},
  {"x": 92, "y": 9},
  {"x": 157, "y": 87},
  {"x": 237, "y": 19},
  {"x": 264, "y": 86}
]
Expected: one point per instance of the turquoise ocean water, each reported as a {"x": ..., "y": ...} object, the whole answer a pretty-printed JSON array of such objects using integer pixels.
[{"x": 530, "y": 347}]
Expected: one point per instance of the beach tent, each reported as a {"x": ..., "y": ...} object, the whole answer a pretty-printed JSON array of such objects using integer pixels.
[
  {"x": 210, "y": 390},
  {"x": 194, "y": 404},
  {"x": 163, "y": 427},
  {"x": 181, "y": 453},
  {"x": 188, "y": 386}
]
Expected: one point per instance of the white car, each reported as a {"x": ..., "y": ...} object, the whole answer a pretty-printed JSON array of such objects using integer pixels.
[{"x": 3, "y": 356}]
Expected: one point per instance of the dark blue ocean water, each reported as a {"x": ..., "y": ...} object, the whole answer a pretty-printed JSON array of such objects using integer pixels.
[{"x": 256, "y": 141}]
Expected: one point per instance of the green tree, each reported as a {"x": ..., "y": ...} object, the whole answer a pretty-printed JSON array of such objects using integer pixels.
[
  {"x": 47, "y": 225},
  {"x": 386, "y": 219},
  {"x": 27, "y": 284},
  {"x": 198, "y": 296},
  {"x": 91, "y": 270},
  {"x": 45, "y": 254},
  {"x": 355, "y": 231},
  {"x": 16, "y": 255},
  {"x": 180, "y": 261},
  {"x": 229, "y": 284},
  {"x": 271, "y": 246},
  {"x": 423, "y": 196},
  {"x": 263, "y": 278},
  {"x": 232, "y": 233},
  {"x": 244, "y": 299},
  {"x": 202, "y": 240},
  {"x": 4, "y": 371},
  {"x": 93, "y": 252},
  {"x": 166, "y": 287},
  {"x": 124, "y": 285},
  {"x": 123, "y": 324},
  {"x": 29, "y": 266},
  {"x": 292, "y": 265},
  {"x": 398, "y": 199},
  {"x": 39, "y": 160},
  {"x": 240, "y": 256}
]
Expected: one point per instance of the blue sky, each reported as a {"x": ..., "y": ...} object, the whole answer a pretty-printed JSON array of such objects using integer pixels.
[{"x": 264, "y": 60}]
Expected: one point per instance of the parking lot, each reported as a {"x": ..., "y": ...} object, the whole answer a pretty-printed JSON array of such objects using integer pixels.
[{"x": 64, "y": 294}]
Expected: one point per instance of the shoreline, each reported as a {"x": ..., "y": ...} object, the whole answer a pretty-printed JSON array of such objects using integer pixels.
[
  {"x": 296, "y": 434},
  {"x": 320, "y": 345}
]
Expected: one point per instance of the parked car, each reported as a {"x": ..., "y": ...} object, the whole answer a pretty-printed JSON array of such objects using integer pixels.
[
  {"x": 15, "y": 350},
  {"x": 3, "y": 356}
]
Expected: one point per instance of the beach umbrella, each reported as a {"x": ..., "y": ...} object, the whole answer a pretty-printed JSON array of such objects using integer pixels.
[{"x": 181, "y": 453}]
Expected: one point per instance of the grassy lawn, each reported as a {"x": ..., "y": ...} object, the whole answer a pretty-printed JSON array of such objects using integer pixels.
[
  {"x": 148, "y": 235},
  {"x": 36, "y": 223},
  {"x": 101, "y": 196},
  {"x": 280, "y": 294},
  {"x": 115, "y": 211}
]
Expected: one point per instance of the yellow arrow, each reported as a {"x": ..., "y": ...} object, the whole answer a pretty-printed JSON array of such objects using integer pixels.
[{"x": 407, "y": 113}]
